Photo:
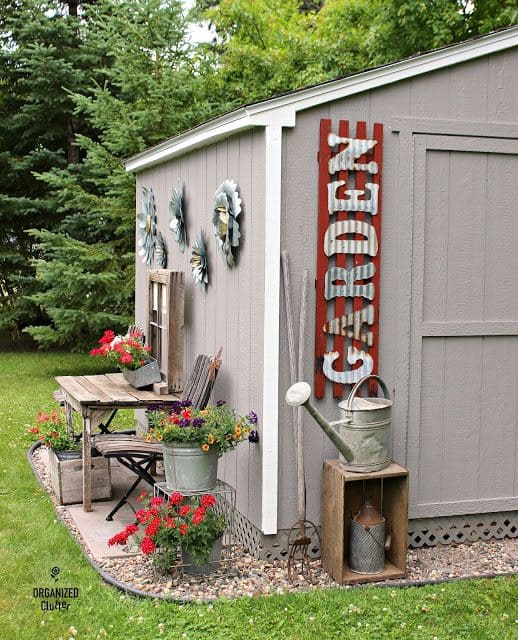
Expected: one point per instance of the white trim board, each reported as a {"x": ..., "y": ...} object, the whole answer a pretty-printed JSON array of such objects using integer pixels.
[{"x": 283, "y": 109}]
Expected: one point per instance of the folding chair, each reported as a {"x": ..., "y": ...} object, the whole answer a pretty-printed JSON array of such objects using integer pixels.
[{"x": 138, "y": 455}]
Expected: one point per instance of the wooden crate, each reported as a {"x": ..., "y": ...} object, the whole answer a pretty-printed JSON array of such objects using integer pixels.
[
  {"x": 66, "y": 478},
  {"x": 343, "y": 493}
]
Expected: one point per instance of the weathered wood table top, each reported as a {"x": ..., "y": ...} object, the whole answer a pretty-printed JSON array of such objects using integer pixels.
[
  {"x": 107, "y": 391},
  {"x": 94, "y": 397}
]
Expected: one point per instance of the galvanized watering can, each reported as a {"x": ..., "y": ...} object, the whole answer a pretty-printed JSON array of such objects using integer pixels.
[{"x": 363, "y": 435}]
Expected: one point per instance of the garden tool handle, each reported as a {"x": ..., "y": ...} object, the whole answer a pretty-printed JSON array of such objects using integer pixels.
[{"x": 354, "y": 390}]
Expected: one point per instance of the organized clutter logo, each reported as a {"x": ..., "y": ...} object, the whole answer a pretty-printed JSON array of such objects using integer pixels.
[{"x": 55, "y": 598}]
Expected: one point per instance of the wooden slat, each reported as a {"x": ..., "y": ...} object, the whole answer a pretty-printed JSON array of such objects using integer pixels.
[
  {"x": 114, "y": 391},
  {"x": 87, "y": 383},
  {"x": 340, "y": 261},
  {"x": 359, "y": 258},
  {"x": 175, "y": 334},
  {"x": 72, "y": 386},
  {"x": 323, "y": 222},
  {"x": 333, "y": 542},
  {"x": 143, "y": 396},
  {"x": 376, "y": 222}
]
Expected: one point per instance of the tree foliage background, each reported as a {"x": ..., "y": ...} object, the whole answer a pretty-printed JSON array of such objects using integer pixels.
[{"x": 83, "y": 86}]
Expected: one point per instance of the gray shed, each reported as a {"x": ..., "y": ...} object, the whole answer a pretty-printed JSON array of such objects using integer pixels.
[{"x": 448, "y": 290}]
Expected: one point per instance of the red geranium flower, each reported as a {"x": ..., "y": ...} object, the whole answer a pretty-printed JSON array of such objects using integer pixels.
[
  {"x": 176, "y": 498},
  {"x": 147, "y": 546},
  {"x": 183, "y": 529},
  {"x": 208, "y": 501}
]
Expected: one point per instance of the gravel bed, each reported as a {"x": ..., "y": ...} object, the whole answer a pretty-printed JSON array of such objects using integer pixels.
[{"x": 243, "y": 575}]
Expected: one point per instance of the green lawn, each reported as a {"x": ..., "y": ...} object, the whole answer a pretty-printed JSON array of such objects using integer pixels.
[{"x": 32, "y": 541}]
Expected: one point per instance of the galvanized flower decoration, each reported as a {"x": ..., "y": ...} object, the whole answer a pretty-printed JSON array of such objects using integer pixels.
[
  {"x": 160, "y": 251},
  {"x": 147, "y": 226},
  {"x": 199, "y": 264},
  {"x": 226, "y": 208},
  {"x": 177, "y": 221}
]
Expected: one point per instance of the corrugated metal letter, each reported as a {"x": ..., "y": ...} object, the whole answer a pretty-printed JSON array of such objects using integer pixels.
[
  {"x": 353, "y": 203},
  {"x": 340, "y": 325},
  {"x": 351, "y": 376},
  {"x": 333, "y": 245},
  {"x": 349, "y": 277},
  {"x": 344, "y": 160}
]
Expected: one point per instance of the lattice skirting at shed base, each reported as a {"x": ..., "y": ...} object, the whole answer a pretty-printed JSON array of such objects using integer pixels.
[
  {"x": 425, "y": 532},
  {"x": 269, "y": 548},
  {"x": 458, "y": 529}
]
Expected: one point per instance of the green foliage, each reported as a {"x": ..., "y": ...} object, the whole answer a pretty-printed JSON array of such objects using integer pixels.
[
  {"x": 40, "y": 54},
  {"x": 84, "y": 288},
  {"x": 79, "y": 93},
  {"x": 150, "y": 91},
  {"x": 216, "y": 428}
]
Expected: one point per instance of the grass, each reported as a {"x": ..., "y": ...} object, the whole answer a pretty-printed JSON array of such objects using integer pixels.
[{"x": 32, "y": 541}]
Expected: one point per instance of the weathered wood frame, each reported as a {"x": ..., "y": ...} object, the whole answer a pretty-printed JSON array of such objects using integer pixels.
[
  {"x": 343, "y": 495},
  {"x": 170, "y": 324}
]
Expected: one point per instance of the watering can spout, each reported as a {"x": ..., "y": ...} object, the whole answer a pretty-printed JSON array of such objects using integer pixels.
[{"x": 298, "y": 396}]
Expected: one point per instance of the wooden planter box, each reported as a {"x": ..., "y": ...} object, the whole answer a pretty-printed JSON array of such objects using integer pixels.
[
  {"x": 343, "y": 494},
  {"x": 66, "y": 478}
]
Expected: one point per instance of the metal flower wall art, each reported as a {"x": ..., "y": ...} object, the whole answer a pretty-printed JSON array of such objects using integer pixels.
[
  {"x": 147, "y": 226},
  {"x": 199, "y": 263},
  {"x": 226, "y": 208},
  {"x": 177, "y": 220},
  {"x": 151, "y": 242},
  {"x": 160, "y": 251}
]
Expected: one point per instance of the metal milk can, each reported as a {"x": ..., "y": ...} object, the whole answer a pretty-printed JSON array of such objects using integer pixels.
[
  {"x": 367, "y": 545},
  {"x": 366, "y": 429}
]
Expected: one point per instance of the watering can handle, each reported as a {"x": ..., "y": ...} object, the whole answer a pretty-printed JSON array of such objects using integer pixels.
[{"x": 354, "y": 390}]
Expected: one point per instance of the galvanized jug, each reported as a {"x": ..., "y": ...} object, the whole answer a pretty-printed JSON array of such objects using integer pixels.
[
  {"x": 367, "y": 546},
  {"x": 366, "y": 429}
]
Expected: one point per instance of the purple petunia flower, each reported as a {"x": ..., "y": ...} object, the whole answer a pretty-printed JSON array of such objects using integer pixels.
[
  {"x": 175, "y": 409},
  {"x": 220, "y": 403},
  {"x": 152, "y": 407},
  {"x": 186, "y": 403},
  {"x": 197, "y": 422},
  {"x": 184, "y": 423},
  {"x": 252, "y": 417},
  {"x": 253, "y": 436}
]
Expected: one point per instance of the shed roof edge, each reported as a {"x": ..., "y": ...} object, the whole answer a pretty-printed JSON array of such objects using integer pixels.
[{"x": 282, "y": 110}]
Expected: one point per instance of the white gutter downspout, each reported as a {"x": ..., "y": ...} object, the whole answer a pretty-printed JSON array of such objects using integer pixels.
[{"x": 272, "y": 275}]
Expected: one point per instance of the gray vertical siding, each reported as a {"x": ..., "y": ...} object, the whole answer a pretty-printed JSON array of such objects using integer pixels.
[
  {"x": 448, "y": 255},
  {"x": 230, "y": 313}
]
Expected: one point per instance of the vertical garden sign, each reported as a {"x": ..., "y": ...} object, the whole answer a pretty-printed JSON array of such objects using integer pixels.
[{"x": 348, "y": 255}]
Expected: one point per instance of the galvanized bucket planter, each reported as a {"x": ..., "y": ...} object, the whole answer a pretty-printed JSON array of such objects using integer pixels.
[
  {"x": 188, "y": 468},
  {"x": 366, "y": 429},
  {"x": 143, "y": 377},
  {"x": 206, "y": 568}
]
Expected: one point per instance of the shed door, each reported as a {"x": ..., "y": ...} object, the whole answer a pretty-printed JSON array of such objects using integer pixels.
[{"x": 463, "y": 386}]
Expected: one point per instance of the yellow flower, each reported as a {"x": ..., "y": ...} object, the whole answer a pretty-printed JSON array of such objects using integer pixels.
[
  {"x": 211, "y": 438},
  {"x": 205, "y": 447},
  {"x": 238, "y": 431},
  {"x": 149, "y": 438},
  {"x": 160, "y": 437},
  {"x": 204, "y": 412}
]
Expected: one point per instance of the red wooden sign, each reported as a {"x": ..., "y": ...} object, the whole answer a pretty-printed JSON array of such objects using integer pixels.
[{"x": 348, "y": 255}]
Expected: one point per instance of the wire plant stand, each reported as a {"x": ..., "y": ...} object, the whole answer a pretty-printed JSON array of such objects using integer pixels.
[{"x": 226, "y": 506}]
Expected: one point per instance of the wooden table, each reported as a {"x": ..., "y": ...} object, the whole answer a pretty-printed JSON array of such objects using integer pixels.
[{"x": 94, "y": 398}]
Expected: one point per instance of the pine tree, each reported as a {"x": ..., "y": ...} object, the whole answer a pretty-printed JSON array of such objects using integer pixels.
[
  {"x": 152, "y": 90},
  {"x": 41, "y": 60}
]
